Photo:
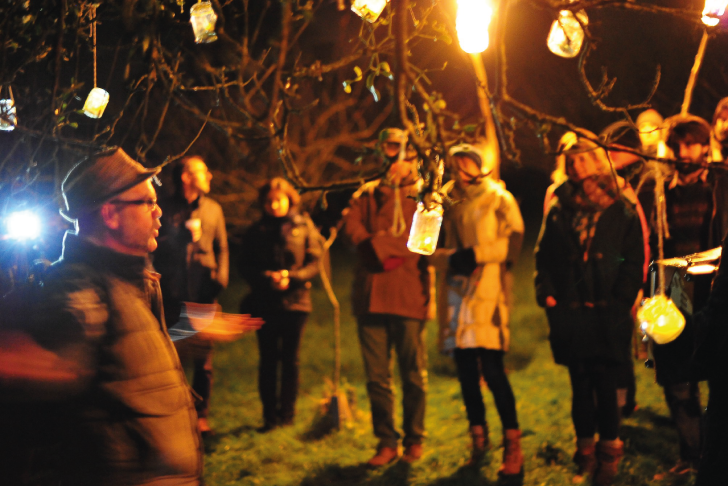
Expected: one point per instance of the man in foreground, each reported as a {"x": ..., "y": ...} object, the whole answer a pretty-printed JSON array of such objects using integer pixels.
[{"x": 93, "y": 351}]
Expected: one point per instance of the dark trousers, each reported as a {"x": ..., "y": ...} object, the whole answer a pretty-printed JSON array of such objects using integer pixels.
[
  {"x": 715, "y": 453},
  {"x": 594, "y": 399},
  {"x": 473, "y": 363},
  {"x": 202, "y": 378},
  {"x": 378, "y": 335},
  {"x": 279, "y": 343},
  {"x": 683, "y": 399}
]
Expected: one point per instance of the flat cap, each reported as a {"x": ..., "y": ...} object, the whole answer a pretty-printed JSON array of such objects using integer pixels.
[{"x": 98, "y": 179}]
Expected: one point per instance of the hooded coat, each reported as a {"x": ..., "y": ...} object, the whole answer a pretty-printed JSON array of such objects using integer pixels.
[
  {"x": 488, "y": 220},
  {"x": 595, "y": 290}
]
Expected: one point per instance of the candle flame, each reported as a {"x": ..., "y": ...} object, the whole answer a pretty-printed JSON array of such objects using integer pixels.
[
  {"x": 472, "y": 23},
  {"x": 714, "y": 9}
]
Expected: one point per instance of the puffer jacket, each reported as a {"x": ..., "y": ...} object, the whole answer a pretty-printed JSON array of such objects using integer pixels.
[
  {"x": 290, "y": 243},
  {"x": 129, "y": 418},
  {"x": 594, "y": 297},
  {"x": 488, "y": 220}
]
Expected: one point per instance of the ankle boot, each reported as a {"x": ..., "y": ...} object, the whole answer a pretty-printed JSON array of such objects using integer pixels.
[
  {"x": 609, "y": 453},
  {"x": 479, "y": 435},
  {"x": 512, "y": 454},
  {"x": 585, "y": 459}
]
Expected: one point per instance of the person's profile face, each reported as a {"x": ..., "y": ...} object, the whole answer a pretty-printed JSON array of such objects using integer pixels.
[
  {"x": 136, "y": 216},
  {"x": 720, "y": 130},
  {"x": 277, "y": 204},
  {"x": 198, "y": 175}
]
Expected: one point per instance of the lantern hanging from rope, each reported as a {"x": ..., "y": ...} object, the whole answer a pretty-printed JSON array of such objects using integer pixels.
[
  {"x": 98, "y": 98},
  {"x": 203, "y": 18},
  {"x": 369, "y": 10},
  {"x": 471, "y": 23},
  {"x": 425, "y": 228},
  {"x": 714, "y": 9},
  {"x": 8, "y": 118},
  {"x": 566, "y": 35}
]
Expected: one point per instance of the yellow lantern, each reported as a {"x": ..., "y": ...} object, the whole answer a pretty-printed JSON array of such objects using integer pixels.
[
  {"x": 96, "y": 103},
  {"x": 369, "y": 10},
  {"x": 203, "y": 18},
  {"x": 660, "y": 319},
  {"x": 8, "y": 118},
  {"x": 425, "y": 229},
  {"x": 566, "y": 35},
  {"x": 714, "y": 9},
  {"x": 472, "y": 21}
]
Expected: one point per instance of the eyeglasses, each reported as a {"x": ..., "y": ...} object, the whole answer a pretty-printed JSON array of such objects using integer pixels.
[{"x": 150, "y": 204}]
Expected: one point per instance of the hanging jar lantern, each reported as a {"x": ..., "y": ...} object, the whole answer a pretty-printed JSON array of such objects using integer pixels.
[
  {"x": 8, "y": 118},
  {"x": 425, "y": 228},
  {"x": 660, "y": 319},
  {"x": 566, "y": 35},
  {"x": 713, "y": 11},
  {"x": 96, "y": 103},
  {"x": 98, "y": 98},
  {"x": 369, "y": 10},
  {"x": 203, "y": 18},
  {"x": 471, "y": 23}
]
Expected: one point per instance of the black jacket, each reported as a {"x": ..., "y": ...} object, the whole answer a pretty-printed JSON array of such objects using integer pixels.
[
  {"x": 594, "y": 297},
  {"x": 290, "y": 243}
]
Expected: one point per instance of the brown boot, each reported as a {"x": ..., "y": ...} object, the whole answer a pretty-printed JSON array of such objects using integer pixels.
[
  {"x": 481, "y": 444},
  {"x": 512, "y": 454},
  {"x": 384, "y": 456},
  {"x": 585, "y": 459},
  {"x": 609, "y": 453}
]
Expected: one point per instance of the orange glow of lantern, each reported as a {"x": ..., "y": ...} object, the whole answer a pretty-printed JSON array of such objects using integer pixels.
[
  {"x": 566, "y": 35},
  {"x": 369, "y": 10},
  {"x": 714, "y": 9},
  {"x": 203, "y": 18},
  {"x": 660, "y": 319},
  {"x": 96, "y": 103},
  {"x": 425, "y": 229},
  {"x": 472, "y": 21}
]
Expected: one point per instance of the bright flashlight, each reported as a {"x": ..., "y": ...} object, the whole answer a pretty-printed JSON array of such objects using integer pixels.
[{"x": 23, "y": 225}]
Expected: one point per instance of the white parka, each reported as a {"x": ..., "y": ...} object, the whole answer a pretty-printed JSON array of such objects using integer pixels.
[{"x": 489, "y": 221}]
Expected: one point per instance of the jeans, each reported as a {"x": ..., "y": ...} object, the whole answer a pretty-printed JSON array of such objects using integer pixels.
[
  {"x": 471, "y": 364},
  {"x": 594, "y": 399},
  {"x": 279, "y": 343},
  {"x": 378, "y": 335}
]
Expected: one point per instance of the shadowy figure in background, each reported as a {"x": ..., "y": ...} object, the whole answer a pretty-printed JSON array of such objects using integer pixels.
[
  {"x": 589, "y": 267},
  {"x": 90, "y": 348},
  {"x": 390, "y": 297},
  {"x": 193, "y": 260},
  {"x": 696, "y": 213},
  {"x": 719, "y": 133},
  {"x": 279, "y": 256},
  {"x": 483, "y": 237}
]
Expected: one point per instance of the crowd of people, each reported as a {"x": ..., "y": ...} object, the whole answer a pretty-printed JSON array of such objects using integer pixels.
[{"x": 98, "y": 344}]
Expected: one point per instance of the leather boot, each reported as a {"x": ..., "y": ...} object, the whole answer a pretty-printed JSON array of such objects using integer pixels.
[
  {"x": 585, "y": 459},
  {"x": 512, "y": 454},
  {"x": 384, "y": 456},
  {"x": 479, "y": 435},
  {"x": 609, "y": 453}
]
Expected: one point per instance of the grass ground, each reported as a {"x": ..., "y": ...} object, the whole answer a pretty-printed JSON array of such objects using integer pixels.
[{"x": 298, "y": 455}]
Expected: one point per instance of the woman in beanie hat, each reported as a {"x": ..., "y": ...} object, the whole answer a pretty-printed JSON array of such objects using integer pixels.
[
  {"x": 483, "y": 236},
  {"x": 589, "y": 260}
]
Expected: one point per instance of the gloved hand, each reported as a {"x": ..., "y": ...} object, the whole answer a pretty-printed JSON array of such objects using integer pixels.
[
  {"x": 462, "y": 262},
  {"x": 392, "y": 262}
]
